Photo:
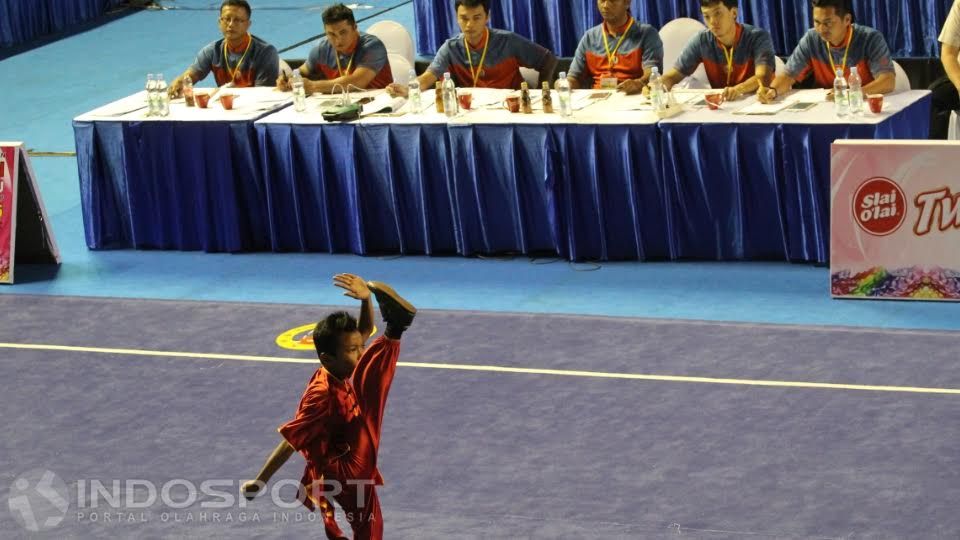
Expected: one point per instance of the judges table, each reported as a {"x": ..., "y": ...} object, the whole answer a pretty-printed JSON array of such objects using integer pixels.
[
  {"x": 613, "y": 183},
  {"x": 189, "y": 181},
  {"x": 610, "y": 184},
  {"x": 487, "y": 182},
  {"x": 757, "y": 186}
]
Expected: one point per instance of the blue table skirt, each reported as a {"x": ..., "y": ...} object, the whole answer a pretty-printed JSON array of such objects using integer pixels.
[
  {"x": 171, "y": 185},
  {"x": 477, "y": 189},
  {"x": 761, "y": 191},
  {"x": 580, "y": 192}
]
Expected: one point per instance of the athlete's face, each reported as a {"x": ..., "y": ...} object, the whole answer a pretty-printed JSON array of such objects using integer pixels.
[
  {"x": 829, "y": 25},
  {"x": 342, "y": 35},
  {"x": 613, "y": 11},
  {"x": 234, "y": 22},
  {"x": 720, "y": 19},
  {"x": 349, "y": 349},
  {"x": 473, "y": 22}
]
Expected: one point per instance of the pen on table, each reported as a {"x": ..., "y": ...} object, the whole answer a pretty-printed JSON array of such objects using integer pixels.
[{"x": 228, "y": 85}]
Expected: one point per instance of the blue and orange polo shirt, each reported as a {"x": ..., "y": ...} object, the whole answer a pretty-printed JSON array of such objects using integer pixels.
[
  {"x": 369, "y": 52},
  {"x": 753, "y": 47},
  {"x": 506, "y": 53},
  {"x": 641, "y": 48},
  {"x": 867, "y": 50},
  {"x": 254, "y": 63}
]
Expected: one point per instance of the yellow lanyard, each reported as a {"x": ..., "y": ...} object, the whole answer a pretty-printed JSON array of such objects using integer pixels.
[
  {"x": 226, "y": 58},
  {"x": 728, "y": 54},
  {"x": 845, "y": 53},
  {"x": 612, "y": 56},
  {"x": 339, "y": 69},
  {"x": 483, "y": 58}
]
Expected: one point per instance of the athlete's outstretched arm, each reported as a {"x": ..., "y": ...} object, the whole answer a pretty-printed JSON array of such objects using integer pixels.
[
  {"x": 280, "y": 455},
  {"x": 356, "y": 287}
]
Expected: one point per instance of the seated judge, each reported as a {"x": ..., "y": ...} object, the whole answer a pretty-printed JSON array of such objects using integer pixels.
[
  {"x": 239, "y": 58},
  {"x": 946, "y": 90},
  {"x": 345, "y": 58},
  {"x": 835, "y": 42},
  {"x": 737, "y": 57},
  {"x": 620, "y": 52},
  {"x": 483, "y": 57}
]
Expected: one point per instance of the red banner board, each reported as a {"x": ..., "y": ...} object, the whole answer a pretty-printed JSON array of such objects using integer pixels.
[{"x": 17, "y": 182}]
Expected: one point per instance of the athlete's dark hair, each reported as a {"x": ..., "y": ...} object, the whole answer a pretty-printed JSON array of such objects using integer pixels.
[
  {"x": 729, "y": 3},
  {"x": 338, "y": 13},
  {"x": 237, "y": 3},
  {"x": 472, "y": 4},
  {"x": 842, "y": 7},
  {"x": 327, "y": 333}
]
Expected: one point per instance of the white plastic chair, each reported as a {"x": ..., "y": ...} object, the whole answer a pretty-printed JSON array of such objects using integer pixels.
[
  {"x": 400, "y": 68},
  {"x": 395, "y": 38},
  {"x": 698, "y": 80},
  {"x": 530, "y": 76},
  {"x": 781, "y": 66},
  {"x": 675, "y": 36},
  {"x": 903, "y": 82}
]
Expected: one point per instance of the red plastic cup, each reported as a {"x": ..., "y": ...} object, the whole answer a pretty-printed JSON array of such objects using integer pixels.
[
  {"x": 512, "y": 104},
  {"x": 466, "y": 100},
  {"x": 876, "y": 103},
  {"x": 202, "y": 98},
  {"x": 226, "y": 101},
  {"x": 714, "y": 100}
]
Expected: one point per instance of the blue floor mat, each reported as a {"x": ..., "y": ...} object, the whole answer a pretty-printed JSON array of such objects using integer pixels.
[{"x": 482, "y": 454}]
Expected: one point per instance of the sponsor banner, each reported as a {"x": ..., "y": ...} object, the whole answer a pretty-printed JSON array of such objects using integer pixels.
[
  {"x": 22, "y": 212},
  {"x": 895, "y": 220},
  {"x": 8, "y": 175}
]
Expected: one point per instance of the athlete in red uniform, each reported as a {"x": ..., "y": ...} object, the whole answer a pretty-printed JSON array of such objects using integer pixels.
[{"x": 337, "y": 424}]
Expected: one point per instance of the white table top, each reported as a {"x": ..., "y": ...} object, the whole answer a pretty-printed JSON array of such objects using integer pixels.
[
  {"x": 613, "y": 108},
  {"x": 822, "y": 113},
  {"x": 610, "y": 108},
  {"x": 616, "y": 108},
  {"x": 249, "y": 104}
]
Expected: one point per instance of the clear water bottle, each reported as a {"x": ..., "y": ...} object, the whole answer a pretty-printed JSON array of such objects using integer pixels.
[
  {"x": 151, "y": 88},
  {"x": 563, "y": 95},
  {"x": 163, "y": 99},
  {"x": 413, "y": 92},
  {"x": 855, "y": 87},
  {"x": 841, "y": 95},
  {"x": 657, "y": 96},
  {"x": 299, "y": 94},
  {"x": 450, "y": 105}
]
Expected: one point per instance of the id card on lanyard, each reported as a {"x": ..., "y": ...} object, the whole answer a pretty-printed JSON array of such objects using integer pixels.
[{"x": 608, "y": 80}]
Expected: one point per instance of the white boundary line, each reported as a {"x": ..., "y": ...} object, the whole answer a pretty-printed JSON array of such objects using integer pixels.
[{"x": 497, "y": 369}]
